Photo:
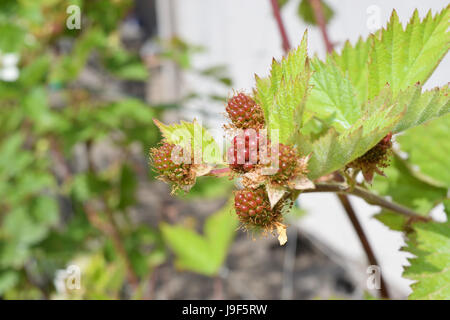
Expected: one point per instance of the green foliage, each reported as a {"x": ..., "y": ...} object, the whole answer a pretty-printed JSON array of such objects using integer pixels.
[
  {"x": 334, "y": 94},
  {"x": 340, "y": 122},
  {"x": 333, "y": 150},
  {"x": 57, "y": 201},
  {"x": 430, "y": 243},
  {"x": 282, "y": 94},
  {"x": 205, "y": 253},
  {"x": 402, "y": 57},
  {"x": 306, "y": 12},
  {"x": 398, "y": 56},
  {"x": 194, "y": 137},
  {"x": 428, "y": 148},
  {"x": 406, "y": 188},
  {"x": 353, "y": 62}
]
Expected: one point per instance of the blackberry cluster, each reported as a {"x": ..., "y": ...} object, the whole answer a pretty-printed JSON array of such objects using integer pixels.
[
  {"x": 178, "y": 174},
  {"x": 244, "y": 152},
  {"x": 287, "y": 165},
  {"x": 375, "y": 159},
  {"x": 253, "y": 208},
  {"x": 244, "y": 113}
]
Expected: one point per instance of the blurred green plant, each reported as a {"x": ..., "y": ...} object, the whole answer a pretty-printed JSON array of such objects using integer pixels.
[
  {"x": 205, "y": 253},
  {"x": 58, "y": 205}
]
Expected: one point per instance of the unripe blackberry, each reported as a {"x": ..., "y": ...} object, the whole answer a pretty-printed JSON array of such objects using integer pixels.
[
  {"x": 374, "y": 159},
  {"x": 180, "y": 174},
  {"x": 287, "y": 165},
  {"x": 244, "y": 152},
  {"x": 244, "y": 112},
  {"x": 254, "y": 211}
]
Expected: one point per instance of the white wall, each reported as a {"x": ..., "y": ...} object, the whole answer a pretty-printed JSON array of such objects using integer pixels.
[{"x": 243, "y": 35}]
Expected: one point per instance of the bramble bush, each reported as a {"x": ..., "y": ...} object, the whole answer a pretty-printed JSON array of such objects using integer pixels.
[{"x": 313, "y": 125}]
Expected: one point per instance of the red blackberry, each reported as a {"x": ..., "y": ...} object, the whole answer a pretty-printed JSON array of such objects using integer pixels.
[
  {"x": 244, "y": 152},
  {"x": 244, "y": 112},
  {"x": 374, "y": 159},
  {"x": 253, "y": 209},
  {"x": 287, "y": 165},
  {"x": 180, "y": 174}
]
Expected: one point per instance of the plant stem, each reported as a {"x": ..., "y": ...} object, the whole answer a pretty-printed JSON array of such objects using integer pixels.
[
  {"x": 282, "y": 29},
  {"x": 320, "y": 18},
  {"x": 321, "y": 22},
  {"x": 363, "y": 239},
  {"x": 222, "y": 172},
  {"x": 343, "y": 198},
  {"x": 369, "y": 197}
]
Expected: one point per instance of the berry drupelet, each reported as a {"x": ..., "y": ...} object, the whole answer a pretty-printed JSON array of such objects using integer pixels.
[
  {"x": 243, "y": 155},
  {"x": 287, "y": 165},
  {"x": 244, "y": 113},
  {"x": 254, "y": 211},
  {"x": 375, "y": 159},
  {"x": 179, "y": 174}
]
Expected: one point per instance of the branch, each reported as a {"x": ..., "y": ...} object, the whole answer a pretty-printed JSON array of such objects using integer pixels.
[
  {"x": 363, "y": 239},
  {"x": 282, "y": 29},
  {"x": 369, "y": 197},
  {"x": 222, "y": 172},
  {"x": 321, "y": 22}
]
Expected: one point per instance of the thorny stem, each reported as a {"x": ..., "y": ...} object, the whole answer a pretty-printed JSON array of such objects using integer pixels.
[{"x": 363, "y": 239}]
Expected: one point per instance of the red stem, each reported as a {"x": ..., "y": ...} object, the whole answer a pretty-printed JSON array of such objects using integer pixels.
[
  {"x": 320, "y": 18},
  {"x": 277, "y": 14},
  {"x": 363, "y": 239},
  {"x": 219, "y": 172},
  {"x": 321, "y": 22}
]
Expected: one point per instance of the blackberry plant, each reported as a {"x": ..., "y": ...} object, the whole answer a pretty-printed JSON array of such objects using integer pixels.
[{"x": 323, "y": 122}]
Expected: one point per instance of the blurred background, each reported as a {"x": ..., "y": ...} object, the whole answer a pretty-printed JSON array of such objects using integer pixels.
[{"x": 81, "y": 214}]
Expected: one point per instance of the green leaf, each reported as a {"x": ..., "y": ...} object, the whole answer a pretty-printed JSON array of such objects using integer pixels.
[
  {"x": 281, "y": 3},
  {"x": 8, "y": 279},
  {"x": 192, "y": 135},
  {"x": 127, "y": 186},
  {"x": 403, "y": 57},
  {"x": 406, "y": 188},
  {"x": 283, "y": 94},
  {"x": 353, "y": 63},
  {"x": 35, "y": 72},
  {"x": 69, "y": 66},
  {"x": 428, "y": 148},
  {"x": 430, "y": 243},
  {"x": 332, "y": 95},
  {"x": 334, "y": 150},
  {"x": 13, "y": 37},
  {"x": 203, "y": 254},
  {"x": 421, "y": 107},
  {"x": 394, "y": 55},
  {"x": 134, "y": 71},
  {"x": 306, "y": 12},
  {"x": 447, "y": 208}
]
